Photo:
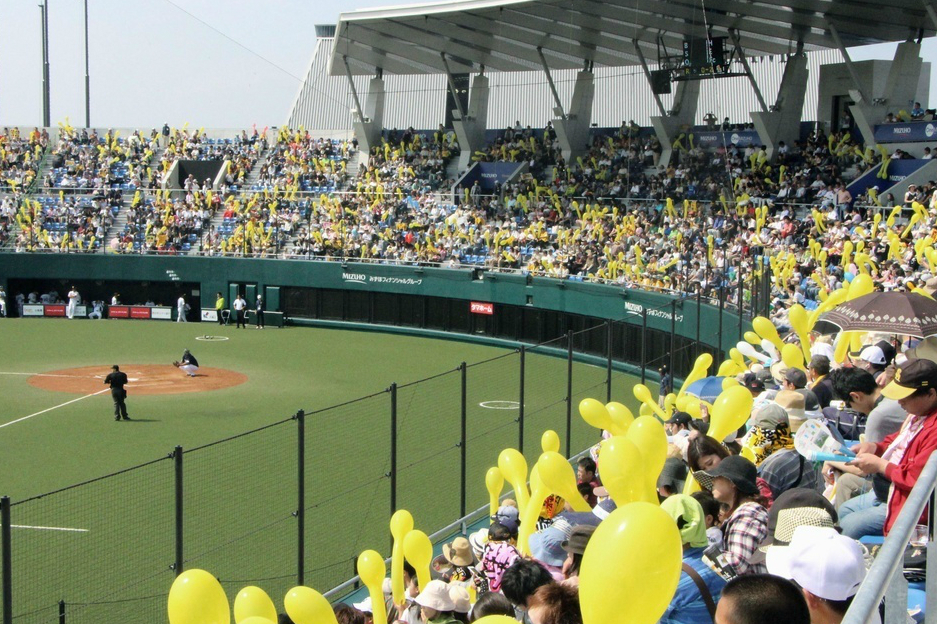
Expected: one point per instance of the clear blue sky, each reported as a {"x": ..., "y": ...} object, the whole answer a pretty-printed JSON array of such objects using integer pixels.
[{"x": 152, "y": 63}]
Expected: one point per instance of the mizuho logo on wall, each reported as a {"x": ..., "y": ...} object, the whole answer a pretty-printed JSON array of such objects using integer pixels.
[{"x": 357, "y": 278}]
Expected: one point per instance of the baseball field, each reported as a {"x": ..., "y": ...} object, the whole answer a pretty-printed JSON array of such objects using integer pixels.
[{"x": 106, "y": 550}]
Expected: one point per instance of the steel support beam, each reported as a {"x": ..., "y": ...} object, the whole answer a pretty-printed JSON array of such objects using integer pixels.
[
  {"x": 748, "y": 70},
  {"x": 546, "y": 70}
]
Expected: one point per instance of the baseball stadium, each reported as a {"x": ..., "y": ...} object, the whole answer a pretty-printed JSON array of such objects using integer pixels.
[{"x": 530, "y": 311}]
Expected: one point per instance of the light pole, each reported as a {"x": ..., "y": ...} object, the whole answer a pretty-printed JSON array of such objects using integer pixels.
[
  {"x": 87, "y": 75},
  {"x": 46, "y": 117}
]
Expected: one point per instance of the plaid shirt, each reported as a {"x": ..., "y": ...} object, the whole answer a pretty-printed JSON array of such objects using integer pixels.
[{"x": 745, "y": 529}]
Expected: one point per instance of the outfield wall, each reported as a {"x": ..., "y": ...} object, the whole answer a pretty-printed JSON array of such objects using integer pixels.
[{"x": 529, "y": 309}]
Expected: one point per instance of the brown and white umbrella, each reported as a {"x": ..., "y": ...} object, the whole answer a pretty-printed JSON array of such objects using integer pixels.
[{"x": 908, "y": 314}]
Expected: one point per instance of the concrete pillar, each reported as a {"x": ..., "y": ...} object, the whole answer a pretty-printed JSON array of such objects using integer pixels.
[
  {"x": 573, "y": 131},
  {"x": 471, "y": 130},
  {"x": 899, "y": 93},
  {"x": 369, "y": 123},
  {"x": 782, "y": 122},
  {"x": 682, "y": 115}
]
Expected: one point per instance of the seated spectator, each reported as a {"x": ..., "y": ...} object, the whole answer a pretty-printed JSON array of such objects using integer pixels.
[
  {"x": 872, "y": 359},
  {"x": 491, "y": 603},
  {"x": 817, "y": 371},
  {"x": 345, "y": 614},
  {"x": 762, "y": 598},
  {"x": 794, "y": 508},
  {"x": 827, "y": 566},
  {"x": 705, "y": 453},
  {"x": 546, "y": 547},
  {"x": 672, "y": 478},
  {"x": 554, "y": 604},
  {"x": 435, "y": 603},
  {"x": 699, "y": 586},
  {"x": 732, "y": 483},
  {"x": 575, "y": 547},
  {"x": 711, "y": 509},
  {"x": 522, "y": 580},
  {"x": 585, "y": 475},
  {"x": 917, "y": 112},
  {"x": 500, "y": 553},
  {"x": 779, "y": 464},
  {"x": 901, "y": 456},
  {"x": 461, "y": 603}
]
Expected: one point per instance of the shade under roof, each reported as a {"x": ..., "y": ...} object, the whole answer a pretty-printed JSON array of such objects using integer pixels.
[{"x": 505, "y": 35}]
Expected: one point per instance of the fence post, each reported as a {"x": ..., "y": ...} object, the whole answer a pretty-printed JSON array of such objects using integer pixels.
[
  {"x": 569, "y": 392},
  {"x": 699, "y": 313},
  {"x": 673, "y": 334},
  {"x": 301, "y": 498},
  {"x": 393, "y": 447},
  {"x": 463, "y": 439},
  {"x": 608, "y": 363},
  {"x": 722, "y": 309},
  {"x": 177, "y": 464},
  {"x": 61, "y": 612},
  {"x": 7, "y": 560},
  {"x": 643, "y": 345},
  {"x": 740, "y": 297},
  {"x": 520, "y": 408}
]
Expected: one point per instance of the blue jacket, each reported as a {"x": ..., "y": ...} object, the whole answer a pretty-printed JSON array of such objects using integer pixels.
[{"x": 687, "y": 606}]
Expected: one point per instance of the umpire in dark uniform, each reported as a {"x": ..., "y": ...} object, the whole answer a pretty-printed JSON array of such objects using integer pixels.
[{"x": 117, "y": 380}]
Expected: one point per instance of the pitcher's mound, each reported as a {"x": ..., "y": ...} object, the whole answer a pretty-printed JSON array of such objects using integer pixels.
[{"x": 144, "y": 379}]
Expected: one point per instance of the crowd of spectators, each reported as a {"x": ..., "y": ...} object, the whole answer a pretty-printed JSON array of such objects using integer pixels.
[
  {"x": 65, "y": 223},
  {"x": 20, "y": 157},
  {"x": 159, "y": 223},
  {"x": 85, "y": 162},
  {"x": 239, "y": 155},
  {"x": 314, "y": 164}
]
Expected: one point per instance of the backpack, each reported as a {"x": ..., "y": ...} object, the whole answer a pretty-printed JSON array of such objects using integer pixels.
[{"x": 849, "y": 423}]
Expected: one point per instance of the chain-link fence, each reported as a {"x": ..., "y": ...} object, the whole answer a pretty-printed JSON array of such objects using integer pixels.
[{"x": 295, "y": 501}]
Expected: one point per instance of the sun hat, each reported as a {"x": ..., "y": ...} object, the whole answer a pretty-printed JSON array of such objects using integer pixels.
[
  {"x": 911, "y": 376},
  {"x": 794, "y": 404},
  {"x": 741, "y": 472},
  {"x": 690, "y": 518},
  {"x": 477, "y": 540},
  {"x": 364, "y": 606},
  {"x": 797, "y": 507},
  {"x": 578, "y": 539},
  {"x": 459, "y": 552},
  {"x": 673, "y": 474},
  {"x": 461, "y": 601},
  {"x": 435, "y": 596},
  {"x": 822, "y": 561},
  {"x": 546, "y": 546}
]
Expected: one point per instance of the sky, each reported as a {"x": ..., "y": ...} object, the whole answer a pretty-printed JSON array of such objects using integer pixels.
[{"x": 211, "y": 63}]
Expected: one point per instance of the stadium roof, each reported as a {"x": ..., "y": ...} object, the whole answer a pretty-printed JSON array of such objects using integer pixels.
[{"x": 510, "y": 35}]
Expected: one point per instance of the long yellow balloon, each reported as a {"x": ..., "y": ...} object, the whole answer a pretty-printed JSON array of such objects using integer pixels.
[
  {"x": 700, "y": 368},
  {"x": 642, "y": 394},
  {"x": 559, "y": 478}
]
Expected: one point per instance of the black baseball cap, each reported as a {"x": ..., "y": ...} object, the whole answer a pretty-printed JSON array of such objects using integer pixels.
[
  {"x": 752, "y": 382},
  {"x": 797, "y": 377},
  {"x": 910, "y": 377},
  {"x": 680, "y": 418}
]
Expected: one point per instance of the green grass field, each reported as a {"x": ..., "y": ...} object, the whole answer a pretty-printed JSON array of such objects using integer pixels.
[{"x": 240, "y": 496}]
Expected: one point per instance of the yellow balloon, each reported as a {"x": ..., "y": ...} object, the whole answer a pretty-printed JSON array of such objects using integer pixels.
[
  {"x": 645, "y": 410},
  {"x": 647, "y": 538},
  {"x": 860, "y": 286},
  {"x": 256, "y": 619},
  {"x": 496, "y": 619},
  {"x": 736, "y": 356},
  {"x": 691, "y": 405},
  {"x": 649, "y": 436},
  {"x": 530, "y": 513},
  {"x": 253, "y": 602},
  {"x": 753, "y": 338},
  {"x": 305, "y": 605},
  {"x": 730, "y": 411},
  {"x": 727, "y": 368},
  {"x": 842, "y": 346},
  {"x": 622, "y": 467},
  {"x": 401, "y": 523},
  {"x": 792, "y": 356},
  {"x": 514, "y": 468},
  {"x": 419, "y": 552},
  {"x": 729, "y": 382},
  {"x": 550, "y": 441},
  {"x": 621, "y": 417},
  {"x": 766, "y": 329},
  {"x": 371, "y": 571},
  {"x": 800, "y": 323},
  {"x": 642, "y": 394},
  {"x": 700, "y": 368},
  {"x": 559, "y": 478},
  {"x": 494, "y": 481},
  {"x": 691, "y": 485},
  {"x": 595, "y": 414},
  {"x": 196, "y": 597},
  {"x": 748, "y": 454}
]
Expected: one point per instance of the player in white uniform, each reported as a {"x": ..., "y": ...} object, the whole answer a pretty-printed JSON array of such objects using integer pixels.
[
  {"x": 180, "y": 309},
  {"x": 73, "y": 299}
]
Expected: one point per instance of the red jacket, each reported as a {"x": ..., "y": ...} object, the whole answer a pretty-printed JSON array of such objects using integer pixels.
[{"x": 904, "y": 475}]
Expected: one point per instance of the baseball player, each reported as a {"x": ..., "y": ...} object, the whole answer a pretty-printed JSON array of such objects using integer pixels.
[
  {"x": 73, "y": 298},
  {"x": 188, "y": 364},
  {"x": 181, "y": 307}
]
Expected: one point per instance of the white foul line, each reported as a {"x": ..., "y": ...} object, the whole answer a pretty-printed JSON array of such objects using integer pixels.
[
  {"x": 50, "y": 375},
  {"x": 44, "y": 528},
  {"x": 13, "y": 422}
]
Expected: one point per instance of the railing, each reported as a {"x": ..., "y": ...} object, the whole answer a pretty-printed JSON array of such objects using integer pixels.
[{"x": 885, "y": 578}]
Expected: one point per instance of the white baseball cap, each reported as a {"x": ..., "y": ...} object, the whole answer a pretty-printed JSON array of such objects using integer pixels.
[
  {"x": 873, "y": 355},
  {"x": 821, "y": 560}
]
